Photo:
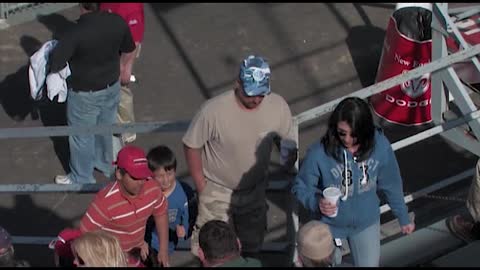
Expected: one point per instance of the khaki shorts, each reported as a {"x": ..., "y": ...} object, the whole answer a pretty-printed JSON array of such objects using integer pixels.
[
  {"x": 246, "y": 211},
  {"x": 125, "y": 107},
  {"x": 125, "y": 113}
]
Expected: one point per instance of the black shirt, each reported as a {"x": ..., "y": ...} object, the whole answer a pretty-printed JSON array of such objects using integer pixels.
[{"x": 92, "y": 49}]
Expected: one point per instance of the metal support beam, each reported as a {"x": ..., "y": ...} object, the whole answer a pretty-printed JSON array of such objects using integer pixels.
[
  {"x": 467, "y": 13},
  {"x": 447, "y": 126},
  {"x": 55, "y": 131},
  {"x": 466, "y": 175},
  {"x": 45, "y": 240},
  {"x": 447, "y": 83},
  {"x": 459, "y": 138},
  {"x": 461, "y": 98},
  {"x": 280, "y": 185},
  {"x": 453, "y": 11},
  {"x": 439, "y": 94},
  {"x": 456, "y": 33},
  {"x": 293, "y": 223}
]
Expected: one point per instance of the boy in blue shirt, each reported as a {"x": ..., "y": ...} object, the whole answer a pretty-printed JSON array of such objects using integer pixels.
[{"x": 163, "y": 163}]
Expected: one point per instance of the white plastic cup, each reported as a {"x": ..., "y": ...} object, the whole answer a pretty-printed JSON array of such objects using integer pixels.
[
  {"x": 332, "y": 194},
  {"x": 286, "y": 147}
]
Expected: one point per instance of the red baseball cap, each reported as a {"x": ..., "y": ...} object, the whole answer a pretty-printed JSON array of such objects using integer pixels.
[
  {"x": 62, "y": 244},
  {"x": 133, "y": 160}
]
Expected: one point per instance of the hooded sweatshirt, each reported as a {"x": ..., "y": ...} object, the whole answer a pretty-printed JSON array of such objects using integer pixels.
[{"x": 362, "y": 206}]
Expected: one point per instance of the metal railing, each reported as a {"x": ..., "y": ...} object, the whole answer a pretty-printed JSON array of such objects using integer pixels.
[
  {"x": 7, "y": 9},
  {"x": 437, "y": 66},
  {"x": 16, "y": 13}
]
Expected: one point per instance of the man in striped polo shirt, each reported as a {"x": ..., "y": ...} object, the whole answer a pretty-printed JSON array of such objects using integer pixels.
[{"x": 123, "y": 207}]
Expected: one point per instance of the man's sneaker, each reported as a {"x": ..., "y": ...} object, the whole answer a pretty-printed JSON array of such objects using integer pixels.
[
  {"x": 63, "y": 180},
  {"x": 461, "y": 228}
]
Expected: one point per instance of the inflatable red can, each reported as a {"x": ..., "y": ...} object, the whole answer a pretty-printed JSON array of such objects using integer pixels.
[{"x": 407, "y": 45}]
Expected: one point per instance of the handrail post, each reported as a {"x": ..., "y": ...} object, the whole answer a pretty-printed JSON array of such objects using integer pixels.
[
  {"x": 294, "y": 219},
  {"x": 3, "y": 11}
]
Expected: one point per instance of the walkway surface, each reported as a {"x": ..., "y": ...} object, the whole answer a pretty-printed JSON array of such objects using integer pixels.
[{"x": 317, "y": 51}]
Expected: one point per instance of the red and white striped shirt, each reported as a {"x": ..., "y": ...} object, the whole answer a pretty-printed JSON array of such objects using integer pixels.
[{"x": 124, "y": 217}]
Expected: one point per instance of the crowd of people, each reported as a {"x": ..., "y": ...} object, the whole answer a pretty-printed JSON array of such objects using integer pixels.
[{"x": 139, "y": 217}]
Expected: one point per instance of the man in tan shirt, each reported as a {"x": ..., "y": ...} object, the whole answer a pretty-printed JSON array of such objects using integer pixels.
[{"x": 228, "y": 147}]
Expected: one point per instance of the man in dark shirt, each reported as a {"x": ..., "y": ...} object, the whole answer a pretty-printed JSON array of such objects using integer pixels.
[{"x": 92, "y": 48}]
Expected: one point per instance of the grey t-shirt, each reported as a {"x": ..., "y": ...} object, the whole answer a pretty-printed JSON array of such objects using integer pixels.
[{"x": 237, "y": 143}]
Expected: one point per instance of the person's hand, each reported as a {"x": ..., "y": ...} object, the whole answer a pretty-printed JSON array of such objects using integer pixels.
[
  {"x": 125, "y": 76},
  {"x": 144, "y": 250},
  {"x": 180, "y": 231},
  {"x": 408, "y": 229},
  {"x": 163, "y": 259},
  {"x": 326, "y": 207}
]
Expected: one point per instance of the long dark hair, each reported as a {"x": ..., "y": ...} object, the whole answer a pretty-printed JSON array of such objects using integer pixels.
[{"x": 356, "y": 112}]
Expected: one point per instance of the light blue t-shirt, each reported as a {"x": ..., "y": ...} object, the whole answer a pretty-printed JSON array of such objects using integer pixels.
[{"x": 177, "y": 215}]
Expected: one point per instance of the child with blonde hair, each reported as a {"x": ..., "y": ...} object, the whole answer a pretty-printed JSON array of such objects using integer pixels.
[
  {"x": 315, "y": 245},
  {"x": 98, "y": 249}
]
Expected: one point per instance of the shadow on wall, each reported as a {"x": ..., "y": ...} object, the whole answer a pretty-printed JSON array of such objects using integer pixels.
[
  {"x": 159, "y": 10},
  {"x": 15, "y": 89},
  {"x": 365, "y": 44},
  {"x": 57, "y": 24},
  {"x": 53, "y": 113},
  {"x": 246, "y": 212},
  {"x": 18, "y": 104},
  {"x": 18, "y": 222}
]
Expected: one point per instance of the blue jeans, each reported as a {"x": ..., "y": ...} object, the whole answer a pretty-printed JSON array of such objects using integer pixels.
[
  {"x": 91, "y": 151},
  {"x": 365, "y": 246}
]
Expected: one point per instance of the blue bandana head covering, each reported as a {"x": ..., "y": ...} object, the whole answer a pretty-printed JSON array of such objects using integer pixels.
[{"x": 255, "y": 76}]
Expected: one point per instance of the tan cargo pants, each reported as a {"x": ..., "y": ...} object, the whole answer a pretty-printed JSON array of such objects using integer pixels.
[
  {"x": 246, "y": 211},
  {"x": 473, "y": 198},
  {"x": 125, "y": 112},
  {"x": 124, "y": 115}
]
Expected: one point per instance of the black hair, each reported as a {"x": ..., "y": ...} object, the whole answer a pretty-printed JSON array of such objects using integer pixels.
[
  {"x": 356, "y": 112},
  {"x": 217, "y": 239},
  {"x": 161, "y": 157},
  {"x": 90, "y": 6}
]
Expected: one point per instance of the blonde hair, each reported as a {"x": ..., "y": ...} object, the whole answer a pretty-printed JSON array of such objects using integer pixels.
[
  {"x": 315, "y": 244},
  {"x": 99, "y": 249}
]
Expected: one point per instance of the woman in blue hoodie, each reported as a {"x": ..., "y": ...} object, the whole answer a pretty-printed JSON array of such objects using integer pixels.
[{"x": 355, "y": 148}]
